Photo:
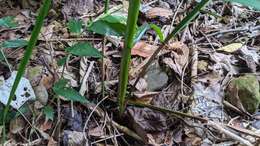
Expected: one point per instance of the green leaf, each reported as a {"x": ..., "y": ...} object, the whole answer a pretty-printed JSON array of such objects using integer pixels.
[
  {"x": 49, "y": 112},
  {"x": 14, "y": 43},
  {"x": 62, "y": 61},
  {"x": 158, "y": 31},
  {"x": 250, "y": 3},
  {"x": 84, "y": 49},
  {"x": 22, "y": 110},
  {"x": 75, "y": 26},
  {"x": 114, "y": 24},
  {"x": 60, "y": 89},
  {"x": 141, "y": 31},
  {"x": 1, "y": 56},
  {"x": 8, "y": 22}
]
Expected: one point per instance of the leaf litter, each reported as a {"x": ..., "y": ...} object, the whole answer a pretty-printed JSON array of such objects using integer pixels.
[{"x": 225, "y": 37}]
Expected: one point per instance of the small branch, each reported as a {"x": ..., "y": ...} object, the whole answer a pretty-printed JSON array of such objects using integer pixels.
[
  {"x": 84, "y": 80},
  {"x": 240, "y": 29},
  {"x": 70, "y": 39},
  {"x": 127, "y": 131},
  {"x": 175, "y": 113},
  {"x": 228, "y": 133}
]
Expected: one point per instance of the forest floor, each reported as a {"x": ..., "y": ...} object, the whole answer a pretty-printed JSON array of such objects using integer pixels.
[{"x": 201, "y": 89}]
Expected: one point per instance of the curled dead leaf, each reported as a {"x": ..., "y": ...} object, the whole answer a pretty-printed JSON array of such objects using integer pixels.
[
  {"x": 143, "y": 49},
  {"x": 159, "y": 12}
]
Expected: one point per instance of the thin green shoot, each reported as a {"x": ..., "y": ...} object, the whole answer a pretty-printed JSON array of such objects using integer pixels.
[
  {"x": 133, "y": 12},
  {"x": 34, "y": 37}
]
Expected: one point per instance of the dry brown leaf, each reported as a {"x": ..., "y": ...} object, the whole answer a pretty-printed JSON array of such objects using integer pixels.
[
  {"x": 46, "y": 32},
  {"x": 46, "y": 125},
  {"x": 159, "y": 12},
  {"x": 47, "y": 81},
  {"x": 143, "y": 49},
  {"x": 52, "y": 142},
  {"x": 96, "y": 132},
  {"x": 181, "y": 56}
]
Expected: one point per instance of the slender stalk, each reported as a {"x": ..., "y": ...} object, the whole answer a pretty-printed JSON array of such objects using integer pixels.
[
  {"x": 133, "y": 12},
  {"x": 106, "y": 5},
  {"x": 103, "y": 54},
  {"x": 177, "y": 29},
  {"x": 34, "y": 37}
]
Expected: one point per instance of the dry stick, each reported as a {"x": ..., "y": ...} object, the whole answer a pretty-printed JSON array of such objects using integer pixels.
[
  {"x": 228, "y": 133},
  {"x": 70, "y": 39},
  {"x": 127, "y": 131},
  {"x": 91, "y": 113},
  {"x": 106, "y": 138},
  {"x": 180, "y": 27},
  {"x": 240, "y": 29},
  {"x": 174, "y": 113},
  {"x": 245, "y": 131},
  {"x": 209, "y": 123},
  {"x": 84, "y": 80}
]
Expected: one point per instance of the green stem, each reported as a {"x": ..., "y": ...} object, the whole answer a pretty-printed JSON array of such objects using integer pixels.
[
  {"x": 34, "y": 37},
  {"x": 106, "y": 5},
  {"x": 133, "y": 12}
]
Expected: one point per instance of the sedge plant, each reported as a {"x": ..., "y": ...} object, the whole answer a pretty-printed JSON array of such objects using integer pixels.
[
  {"x": 133, "y": 12},
  {"x": 28, "y": 52},
  {"x": 128, "y": 44}
]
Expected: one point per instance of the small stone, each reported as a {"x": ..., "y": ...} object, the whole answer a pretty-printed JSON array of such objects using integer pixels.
[
  {"x": 243, "y": 92},
  {"x": 155, "y": 77}
]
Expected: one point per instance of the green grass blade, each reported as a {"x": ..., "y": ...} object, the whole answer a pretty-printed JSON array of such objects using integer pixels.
[
  {"x": 186, "y": 20},
  {"x": 106, "y": 5},
  {"x": 133, "y": 12},
  {"x": 31, "y": 44}
]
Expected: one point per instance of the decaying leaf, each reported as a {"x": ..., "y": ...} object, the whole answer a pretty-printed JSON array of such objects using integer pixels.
[
  {"x": 17, "y": 125},
  {"x": 159, "y": 12},
  {"x": 231, "y": 47},
  {"x": 143, "y": 49},
  {"x": 146, "y": 120},
  {"x": 73, "y": 138},
  {"x": 180, "y": 57}
]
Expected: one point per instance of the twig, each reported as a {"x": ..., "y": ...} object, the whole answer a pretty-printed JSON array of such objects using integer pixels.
[
  {"x": 106, "y": 138},
  {"x": 175, "y": 14},
  {"x": 127, "y": 131},
  {"x": 70, "y": 39},
  {"x": 240, "y": 29},
  {"x": 228, "y": 133},
  {"x": 91, "y": 113},
  {"x": 84, "y": 80},
  {"x": 245, "y": 131},
  {"x": 174, "y": 113},
  {"x": 194, "y": 64}
]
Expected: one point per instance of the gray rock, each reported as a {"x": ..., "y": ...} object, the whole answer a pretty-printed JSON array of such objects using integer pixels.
[{"x": 155, "y": 77}]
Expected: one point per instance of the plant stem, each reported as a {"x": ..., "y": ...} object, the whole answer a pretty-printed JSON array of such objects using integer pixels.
[
  {"x": 177, "y": 29},
  {"x": 106, "y": 5},
  {"x": 133, "y": 12},
  {"x": 34, "y": 37}
]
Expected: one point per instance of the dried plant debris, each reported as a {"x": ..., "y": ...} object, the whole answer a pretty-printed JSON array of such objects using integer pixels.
[{"x": 208, "y": 74}]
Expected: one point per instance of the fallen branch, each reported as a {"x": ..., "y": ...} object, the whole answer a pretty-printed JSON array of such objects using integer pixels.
[
  {"x": 228, "y": 133},
  {"x": 176, "y": 113}
]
